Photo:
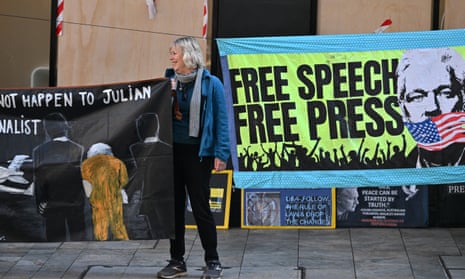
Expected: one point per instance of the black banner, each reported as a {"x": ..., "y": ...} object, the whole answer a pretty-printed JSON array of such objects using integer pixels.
[{"x": 85, "y": 163}]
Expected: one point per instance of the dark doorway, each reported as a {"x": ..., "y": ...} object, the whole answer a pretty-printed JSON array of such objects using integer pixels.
[{"x": 255, "y": 18}]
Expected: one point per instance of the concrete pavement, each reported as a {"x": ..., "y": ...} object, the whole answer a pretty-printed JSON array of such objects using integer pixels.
[{"x": 342, "y": 253}]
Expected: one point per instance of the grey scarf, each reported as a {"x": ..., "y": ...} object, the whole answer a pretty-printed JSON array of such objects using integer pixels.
[{"x": 194, "y": 106}]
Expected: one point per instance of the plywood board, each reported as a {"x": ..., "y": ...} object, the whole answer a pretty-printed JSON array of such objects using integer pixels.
[{"x": 364, "y": 16}]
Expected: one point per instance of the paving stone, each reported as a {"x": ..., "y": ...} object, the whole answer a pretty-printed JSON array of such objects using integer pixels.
[
  {"x": 427, "y": 267},
  {"x": 349, "y": 253},
  {"x": 111, "y": 272},
  {"x": 453, "y": 262},
  {"x": 336, "y": 272},
  {"x": 457, "y": 274},
  {"x": 270, "y": 273}
]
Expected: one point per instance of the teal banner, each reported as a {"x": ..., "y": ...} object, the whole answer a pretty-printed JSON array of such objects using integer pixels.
[{"x": 346, "y": 110}]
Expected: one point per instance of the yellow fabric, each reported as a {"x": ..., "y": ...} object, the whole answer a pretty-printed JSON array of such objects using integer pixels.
[{"x": 108, "y": 175}]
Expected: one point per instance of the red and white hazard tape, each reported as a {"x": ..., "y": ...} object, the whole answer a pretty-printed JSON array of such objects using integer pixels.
[
  {"x": 205, "y": 19},
  {"x": 59, "y": 19},
  {"x": 385, "y": 25}
]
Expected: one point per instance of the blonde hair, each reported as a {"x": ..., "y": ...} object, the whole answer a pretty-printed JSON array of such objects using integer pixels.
[{"x": 192, "y": 52}]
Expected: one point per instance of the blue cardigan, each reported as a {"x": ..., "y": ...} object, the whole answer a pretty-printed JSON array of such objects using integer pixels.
[{"x": 214, "y": 119}]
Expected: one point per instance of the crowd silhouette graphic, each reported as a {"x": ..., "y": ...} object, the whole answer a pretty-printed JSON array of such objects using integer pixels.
[{"x": 292, "y": 156}]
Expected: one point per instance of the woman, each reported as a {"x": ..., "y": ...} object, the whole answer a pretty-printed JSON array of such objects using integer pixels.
[{"x": 200, "y": 144}]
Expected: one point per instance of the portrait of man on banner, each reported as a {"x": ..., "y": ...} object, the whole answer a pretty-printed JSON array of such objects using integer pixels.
[
  {"x": 431, "y": 97},
  {"x": 431, "y": 93}
]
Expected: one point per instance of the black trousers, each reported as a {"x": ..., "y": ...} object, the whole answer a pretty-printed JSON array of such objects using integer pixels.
[
  {"x": 57, "y": 220},
  {"x": 192, "y": 177}
]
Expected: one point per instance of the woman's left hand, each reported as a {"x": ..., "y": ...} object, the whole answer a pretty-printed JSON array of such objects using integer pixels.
[{"x": 219, "y": 165}]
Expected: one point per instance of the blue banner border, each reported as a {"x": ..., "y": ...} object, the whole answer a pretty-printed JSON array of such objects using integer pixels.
[
  {"x": 341, "y": 43},
  {"x": 349, "y": 178}
]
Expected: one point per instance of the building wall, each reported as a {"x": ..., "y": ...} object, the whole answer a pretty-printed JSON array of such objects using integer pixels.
[
  {"x": 25, "y": 40},
  {"x": 364, "y": 16},
  {"x": 110, "y": 41},
  {"x": 114, "y": 40},
  {"x": 453, "y": 14}
]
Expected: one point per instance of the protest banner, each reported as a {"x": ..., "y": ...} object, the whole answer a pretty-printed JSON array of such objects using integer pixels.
[
  {"x": 347, "y": 111},
  {"x": 70, "y": 154}
]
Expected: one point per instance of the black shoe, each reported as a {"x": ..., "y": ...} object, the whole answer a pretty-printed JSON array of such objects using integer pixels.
[
  {"x": 173, "y": 269},
  {"x": 213, "y": 270}
]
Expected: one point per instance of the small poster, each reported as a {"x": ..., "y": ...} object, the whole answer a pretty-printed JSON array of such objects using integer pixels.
[
  {"x": 405, "y": 206},
  {"x": 288, "y": 208},
  {"x": 220, "y": 200}
]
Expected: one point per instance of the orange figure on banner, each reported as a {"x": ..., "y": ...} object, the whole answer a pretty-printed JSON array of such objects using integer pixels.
[{"x": 104, "y": 177}]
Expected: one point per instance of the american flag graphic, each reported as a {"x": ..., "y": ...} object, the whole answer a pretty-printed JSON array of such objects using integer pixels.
[{"x": 439, "y": 132}]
